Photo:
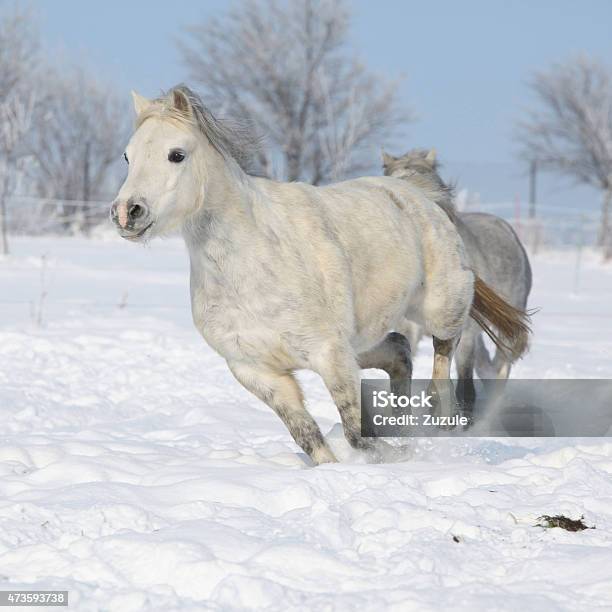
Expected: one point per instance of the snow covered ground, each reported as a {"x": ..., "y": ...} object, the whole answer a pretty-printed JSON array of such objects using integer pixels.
[{"x": 138, "y": 475}]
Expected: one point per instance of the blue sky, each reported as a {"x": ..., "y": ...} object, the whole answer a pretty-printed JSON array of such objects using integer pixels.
[{"x": 462, "y": 64}]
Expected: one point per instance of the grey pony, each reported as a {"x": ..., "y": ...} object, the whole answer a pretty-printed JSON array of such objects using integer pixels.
[{"x": 495, "y": 253}]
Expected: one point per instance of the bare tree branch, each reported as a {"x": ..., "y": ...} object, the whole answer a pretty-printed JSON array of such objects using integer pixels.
[
  {"x": 18, "y": 51},
  {"x": 18, "y": 63},
  {"x": 79, "y": 137},
  {"x": 285, "y": 67},
  {"x": 570, "y": 131}
]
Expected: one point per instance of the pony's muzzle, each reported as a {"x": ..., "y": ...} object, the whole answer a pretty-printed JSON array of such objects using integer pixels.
[{"x": 131, "y": 215}]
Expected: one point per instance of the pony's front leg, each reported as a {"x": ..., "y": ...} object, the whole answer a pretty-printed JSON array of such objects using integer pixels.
[
  {"x": 282, "y": 393},
  {"x": 441, "y": 386},
  {"x": 340, "y": 372}
]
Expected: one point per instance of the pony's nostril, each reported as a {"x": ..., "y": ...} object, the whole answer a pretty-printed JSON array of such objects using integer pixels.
[{"x": 135, "y": 211}]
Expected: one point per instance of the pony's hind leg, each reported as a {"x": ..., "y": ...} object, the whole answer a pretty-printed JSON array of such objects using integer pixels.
[
  {"x": 392, "y": 355},
  {"x": 502, "y": 365},
  {"x": 464, "y": 362},
  {"x": 493, "y": 373},
  {"x": 282, "y": 393},
  {"x": 483, "y": 362},
  {"x": 441, "y": 387},
  {"x": 497, "y": 368},
  {"x": 446, "y": 307}
]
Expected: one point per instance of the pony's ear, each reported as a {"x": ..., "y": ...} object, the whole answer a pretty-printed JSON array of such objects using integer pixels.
[
  {"x": 431, "y": 156},
  {"x": 387, "y": 159},
  {"x": 140, "y": 102},
  {"x": 180, "y": 101}
]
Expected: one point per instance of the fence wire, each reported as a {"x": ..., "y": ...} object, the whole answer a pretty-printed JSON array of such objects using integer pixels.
[
  {"x": 553, "y": 227},
  {"x": 35, "y": 216}
]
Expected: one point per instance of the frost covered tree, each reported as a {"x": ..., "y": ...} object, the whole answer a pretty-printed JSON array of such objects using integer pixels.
[
  {"x": 570, "y": 130},
  {"x": 286, "y": 68},
  {"x": 71, "y": 128},
  {"x": 18, "y": 51},
  {"x": 77, "y": 144},
  {"x": 16, "y": 113},
  {"x": 18, "y": 63}
]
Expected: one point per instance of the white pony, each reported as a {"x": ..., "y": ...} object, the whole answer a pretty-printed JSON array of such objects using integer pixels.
[{"x": 287, "y": 276}]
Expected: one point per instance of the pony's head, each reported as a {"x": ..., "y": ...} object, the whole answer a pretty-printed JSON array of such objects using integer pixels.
[
  {"x": 420, "y": 167},
  {"x": 417, "y": 161},
  {"x": 177, "y": 146}
]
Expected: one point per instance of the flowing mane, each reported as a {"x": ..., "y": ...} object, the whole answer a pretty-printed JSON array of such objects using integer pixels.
[
  {"x": 232, "y": 139},
  {"x": 420, "y": 167}
]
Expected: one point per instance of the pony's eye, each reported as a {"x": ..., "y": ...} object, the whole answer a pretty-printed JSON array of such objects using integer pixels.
[
  {"x": 127, "y": 161},
  {"x": 176, "y": 156}
]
